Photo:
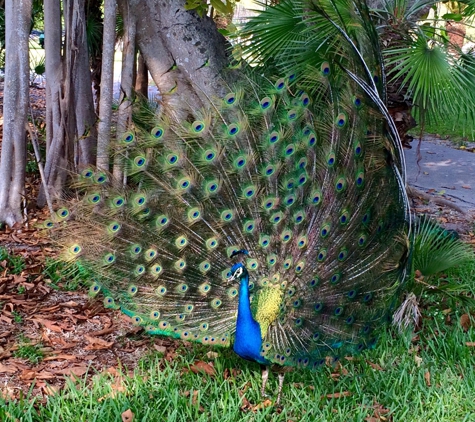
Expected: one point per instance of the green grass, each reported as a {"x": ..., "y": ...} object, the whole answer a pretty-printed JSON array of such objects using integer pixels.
[
  {"x": 15, "y": 263},
  {"x": 159, "y": 390},
  {"x": 453, "y": 130},
  {"x": 66, "y": 276},
  {"x": 26, "y": 350}
]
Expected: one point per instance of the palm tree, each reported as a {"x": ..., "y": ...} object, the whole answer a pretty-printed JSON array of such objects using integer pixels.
[{"x": 425, "y": 79}]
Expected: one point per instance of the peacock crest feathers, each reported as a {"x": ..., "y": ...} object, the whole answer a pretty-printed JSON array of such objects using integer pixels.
[{"x": 310, "y": 187}]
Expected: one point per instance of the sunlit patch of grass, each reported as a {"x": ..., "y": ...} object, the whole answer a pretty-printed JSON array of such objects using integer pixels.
[{"x": 430, "y": 378}]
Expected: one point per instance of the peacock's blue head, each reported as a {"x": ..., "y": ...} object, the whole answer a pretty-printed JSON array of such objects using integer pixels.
[{"x": 238, "y": 271}]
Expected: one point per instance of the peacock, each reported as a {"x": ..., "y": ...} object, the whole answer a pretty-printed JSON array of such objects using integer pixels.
[{"x": 268, "y": 220}]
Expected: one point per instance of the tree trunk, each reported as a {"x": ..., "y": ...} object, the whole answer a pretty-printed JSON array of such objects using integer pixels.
[
  {"x": 71, "y": 130},
  {"x": 126, "y": 83},
  {"x": 15, "y": 109},
  {"x": 185, "y": 54},
  {"x": 77, "y": 65},
  {"x": 107, "y": 82},
  {"x": 141, "y": 81}
]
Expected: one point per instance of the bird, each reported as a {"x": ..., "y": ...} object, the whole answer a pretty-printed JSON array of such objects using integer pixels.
[{"x": 269, "y": 221}]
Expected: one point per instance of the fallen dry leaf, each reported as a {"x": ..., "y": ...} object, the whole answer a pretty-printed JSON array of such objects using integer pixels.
[
  {"x": 160, "y": 349},
  {"x": 418, "y": 360},
  {"x": 266, "y": 403},
  {"x": 375, "y": 366},
  {"x": 337, "y": 395},
  {"x": 8, "y": 369},
  {"x": 97, "y": 343},
  {"x": 465, "y": 322},
  {"x": 427, "y": 378},
  {"x": 212, "y": 355},
  {"x": 50, "y": 325},
  {"x": 199, "y": 367}
]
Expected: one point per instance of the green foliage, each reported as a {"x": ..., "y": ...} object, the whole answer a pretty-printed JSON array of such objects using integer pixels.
[
  {"x": 201, "y": 7},
  {"x": 26, "y": 350},
  {"x": 17, "y": 317},
  {"x": 15, "y": 263},
  {"x": 71, "y": 276},
  {"x": 419, "y": 59},
  {"x": 436, "y": 250}
]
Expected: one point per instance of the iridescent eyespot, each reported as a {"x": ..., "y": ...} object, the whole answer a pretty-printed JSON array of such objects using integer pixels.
[
  {"x": 227, "y": 216},
  {"x": 249, "y": 226},
  {"x": 212, "y": 243},
  {"x": 172, "y": 158},
  {"x": 157, "y": 132},
  {"x": 274, "y": 138},
  {"x": 264, "y": 240},
  {"x": 128, "y": 137},
  {"x": 249, "y": 192},
  {"x": 289, "y": 150},
  {"x": 322, "y": 255},
  {"x": 233, "y": 129},
  {"x": 292, "y": 114},
  {"x": 62, "y": 213},
  {"x": 335, "y": 278},
  {"x": 280, "y": 84},
  {"x": 311, "y": 140},
  {"x": 314, "y": 282},
  {"x": 100, "y": 178},
  {"x": 341, "y": 120},
  {"x": 209, "y": 155},
  {"x": 156, "y": 269},
  {"x": 277, "y": 217},
  {"x": 230, "y": 99},
  {"x": 325, "y": 68},
  {"x": 340, "y": 184},
  {"x": 212, "y": 186},
  {"x": 87, "y": 173},
  {"x": 339, "y": 311},
  {"x": 75, "y": 249},
  {"x": 162, "y": 221},
  {"x": 198, "y": 126},
  {"x": 94, "y": 198},
  {"x": 367, "y": 297},
  {"x": 139, "y": 161},
  {"x": 266, "y": 103}
]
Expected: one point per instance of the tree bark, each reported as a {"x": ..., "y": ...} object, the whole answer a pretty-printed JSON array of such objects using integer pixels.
[
  {"x": 71, "y": 120},
  {"x": 15, "y": 109},
  {"x": 141, "y": 81},
  {"x": 56, "y": 145},
  {"x": 185, "y": 54},
  {"x": 126, "y": 82},
  {"x": 77, "y": 65},
  {"x": 107, "y": 82}
]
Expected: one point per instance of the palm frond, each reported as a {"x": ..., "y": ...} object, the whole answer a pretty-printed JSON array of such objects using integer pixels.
[{"x": 436, "y": 250}]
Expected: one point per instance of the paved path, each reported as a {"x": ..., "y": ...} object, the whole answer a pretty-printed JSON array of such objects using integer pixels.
[{"x": 445, "y": 169}]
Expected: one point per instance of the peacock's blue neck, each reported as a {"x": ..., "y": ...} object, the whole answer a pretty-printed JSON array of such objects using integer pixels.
[{"x": 248, "y": 341}]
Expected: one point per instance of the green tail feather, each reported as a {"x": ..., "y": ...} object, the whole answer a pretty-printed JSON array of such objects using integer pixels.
[{"x": 312, "y": 190}]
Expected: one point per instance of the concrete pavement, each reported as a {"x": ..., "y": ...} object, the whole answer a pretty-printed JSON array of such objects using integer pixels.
[{"x": 447, "y": 170}]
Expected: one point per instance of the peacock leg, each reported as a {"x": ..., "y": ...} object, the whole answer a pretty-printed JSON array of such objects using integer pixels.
[
  {"x": 281, "y": 376},
  {"x": 265, "y": 377}
]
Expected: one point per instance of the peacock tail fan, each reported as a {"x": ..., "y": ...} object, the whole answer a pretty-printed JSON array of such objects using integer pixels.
[{"x": 312, "y": 190}]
